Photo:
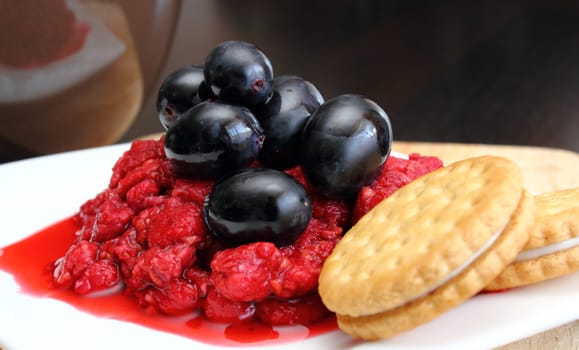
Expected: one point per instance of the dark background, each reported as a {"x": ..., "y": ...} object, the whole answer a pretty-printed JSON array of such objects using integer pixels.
[
  {"x": 504, "y": 72},
  {"x": 500, "y": 72}
]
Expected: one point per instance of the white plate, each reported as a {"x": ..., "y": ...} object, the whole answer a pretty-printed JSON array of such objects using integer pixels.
[{"x": 37, "y": 192}]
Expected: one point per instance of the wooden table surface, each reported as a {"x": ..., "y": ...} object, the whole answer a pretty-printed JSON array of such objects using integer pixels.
[{"x": 544, "y": 169}]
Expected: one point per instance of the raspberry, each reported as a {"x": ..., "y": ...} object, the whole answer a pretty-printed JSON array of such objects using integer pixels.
[
  {"x": 158, "y": 265},
  {"x": 395, "y": 174},
  {"x": 244, "y": 273},
  {"x": 147, "y": 231},
  {"x": 177, "y": 297},
  {"x": 333, "y": 211},
  {"x": 101, "y": 275},
  {"x": 299, "y": 274},
  {"x": 220, "y": 309},
  {"x": 144, "y": 194},
  {"x": 138, "y": 153},
  {"x": 104, "y": 218},
  {"x": 170, "y": 223},
  {"x": 200, "y": 278},
  {"x": 158, "y": 170},
  {"x": 126, "y": 250},
  {"x": 189, "y": 190},
  {"x": 304, "y": 311},
  {"x": 75, "y": 261}
]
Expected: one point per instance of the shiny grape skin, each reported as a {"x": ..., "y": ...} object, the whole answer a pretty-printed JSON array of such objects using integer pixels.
[
  {"x": 283, "y": 117},
  {"x": 212, "y": 139},
  {"x": 257, "y": 205},
  {"x": 345, "y": 143},
  {"x": 204, "y": 93},
  {"x": 238, "y": 72},
  {"x": 178, "y": 93}
]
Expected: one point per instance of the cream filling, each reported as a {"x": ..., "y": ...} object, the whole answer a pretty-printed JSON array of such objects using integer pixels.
[
  {"x": 546, "y": 250},
  {"x": 483, "y": 249}
]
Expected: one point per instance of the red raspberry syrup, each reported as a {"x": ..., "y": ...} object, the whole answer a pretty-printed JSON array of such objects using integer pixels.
[{"x": 33, "y": 272}]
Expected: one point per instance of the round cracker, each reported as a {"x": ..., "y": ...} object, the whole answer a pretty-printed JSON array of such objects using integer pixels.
[
  {"x": 452, "y": 293},
  {"x": 556, "y": 220},
  {"x": 420, "y": 235},
  {"x": 527, "y": 272}
]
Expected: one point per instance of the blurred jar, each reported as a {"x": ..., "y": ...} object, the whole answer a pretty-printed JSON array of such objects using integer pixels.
[{"x": 71, "y": 71}]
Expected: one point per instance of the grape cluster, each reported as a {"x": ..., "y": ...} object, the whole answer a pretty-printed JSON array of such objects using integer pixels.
[{"x": 232, "y": 111}]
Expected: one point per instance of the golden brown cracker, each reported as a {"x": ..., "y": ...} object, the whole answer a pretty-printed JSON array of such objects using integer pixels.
[
  {"x": 457, "y": 290},
  {"x": 537, "y": 270},
  {"x": 468, "y": 283},
  {"x": 556, "y": 222},
  {"x": 557, "y": 217},
  {"x": 418, "y": 236}
]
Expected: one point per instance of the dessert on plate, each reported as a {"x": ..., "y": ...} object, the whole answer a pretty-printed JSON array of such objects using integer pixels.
[
  {"x": 265, "y": 202},
  {"x": 233, "y": 211}
]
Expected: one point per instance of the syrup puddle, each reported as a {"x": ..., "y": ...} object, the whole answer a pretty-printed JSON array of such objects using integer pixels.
[{"x": 32, "y": 272}]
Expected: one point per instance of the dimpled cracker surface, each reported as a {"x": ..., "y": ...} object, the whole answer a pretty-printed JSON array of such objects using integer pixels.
[
  {"x": 418, "y": 236},
  {"x": 557, "y": 220},
  {"x": 456, "y": 291}
]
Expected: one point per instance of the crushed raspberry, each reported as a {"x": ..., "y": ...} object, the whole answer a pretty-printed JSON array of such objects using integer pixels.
[
  {"x": 139, "y": 152},
  {"x": 101, "y": 275},
  {"x": 304, "y": 311},
  {"x": 145, "y": 233},
  {"x": 396, "y": 173},
  {"x": 200, "y": 278},
  {"x": 158, "y": 170},
  {"x": 243, "y": 273},
  {"x": 176, "y": 297},
  {"x": 104, "y": 218},
  {"x": 144, "y": 194},
  {"x": 125, "y": 251},
  {"x": 157, "y": 266},
  {"x": 73, "y": 264},
  {"x": 191, "y": 190},
  {"x": 334, "y": 212},
  {"x": 299, "y": 275},
  {"x": 171, "y": 222},
  {"x": 220, "y": 309}
]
